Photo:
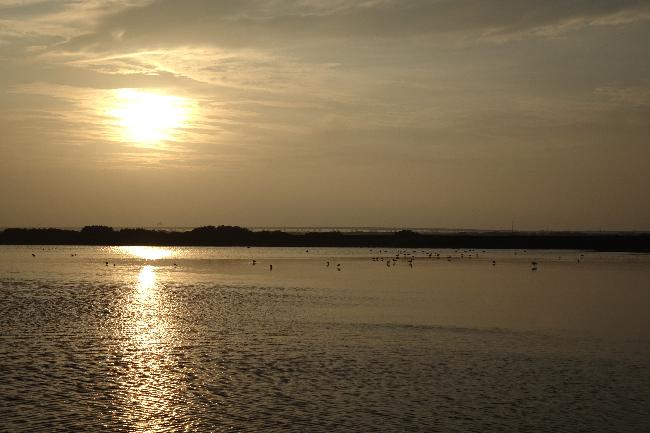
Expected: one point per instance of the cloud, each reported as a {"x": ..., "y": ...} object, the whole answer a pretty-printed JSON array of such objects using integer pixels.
[
  {"x": 29, "y": 9},
  {"x": 638, "y": 96},
  {"x": 272, "y": 24},
  {"x": 307, "y": 77}
]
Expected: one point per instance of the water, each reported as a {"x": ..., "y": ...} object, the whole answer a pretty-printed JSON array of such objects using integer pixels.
[{"x": 199, "y": 339}]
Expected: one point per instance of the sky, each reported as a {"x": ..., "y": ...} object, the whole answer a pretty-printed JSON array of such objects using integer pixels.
[{"x": 385, "y": 113}]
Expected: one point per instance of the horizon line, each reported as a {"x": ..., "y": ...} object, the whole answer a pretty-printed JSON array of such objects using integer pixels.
[{"x": 311, "y": 228}]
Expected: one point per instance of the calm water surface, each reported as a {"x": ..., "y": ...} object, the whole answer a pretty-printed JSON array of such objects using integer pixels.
[{"x": 200, "y": 339}]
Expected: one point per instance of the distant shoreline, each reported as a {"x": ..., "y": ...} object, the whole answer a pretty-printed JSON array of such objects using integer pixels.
[{"x": 238, "y": 236}]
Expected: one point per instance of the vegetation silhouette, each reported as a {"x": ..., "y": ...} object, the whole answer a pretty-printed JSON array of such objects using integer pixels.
[{"x": 239, "y": 236}]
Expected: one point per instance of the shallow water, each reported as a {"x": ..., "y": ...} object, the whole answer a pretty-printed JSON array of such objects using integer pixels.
[{"x": 200, "y": 339}]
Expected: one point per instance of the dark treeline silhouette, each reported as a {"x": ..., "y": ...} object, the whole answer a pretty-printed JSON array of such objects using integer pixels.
[{"x": 238, "y": 236}]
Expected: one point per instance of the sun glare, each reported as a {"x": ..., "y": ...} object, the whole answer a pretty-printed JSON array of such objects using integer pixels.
[
  {"x": 146, "y": 280},
  {"x": 148, "y": 253},
  {"x": 149, "y": 118}
]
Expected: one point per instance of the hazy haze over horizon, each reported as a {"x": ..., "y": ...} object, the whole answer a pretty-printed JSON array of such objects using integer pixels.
[{"x": 459, "y": 114}]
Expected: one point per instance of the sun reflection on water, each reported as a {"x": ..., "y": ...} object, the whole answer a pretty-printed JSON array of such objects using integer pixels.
[
  {"x": 148, "y": 253},
  {"x": 146, "y": 282},
  {"x": 148, "y": 383}
]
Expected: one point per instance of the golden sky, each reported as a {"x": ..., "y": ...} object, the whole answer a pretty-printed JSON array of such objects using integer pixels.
[{"x": 412, "y": 113}]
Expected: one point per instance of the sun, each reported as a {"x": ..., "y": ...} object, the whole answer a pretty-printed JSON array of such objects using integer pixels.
[{"x": 149, "y": 118}]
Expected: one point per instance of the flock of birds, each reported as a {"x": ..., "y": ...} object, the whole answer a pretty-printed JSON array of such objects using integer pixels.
[
  {"x": 404, "y": 255},
  {"x": 409, "y": 256}
]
